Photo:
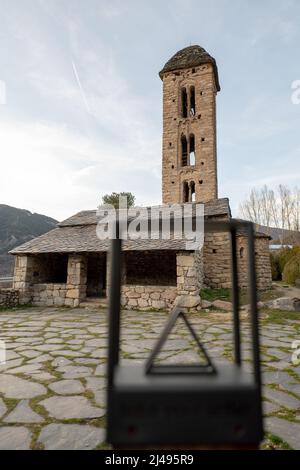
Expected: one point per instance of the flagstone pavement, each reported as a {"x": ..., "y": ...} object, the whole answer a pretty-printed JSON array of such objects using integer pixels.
[{"x": 52, "y": 386}]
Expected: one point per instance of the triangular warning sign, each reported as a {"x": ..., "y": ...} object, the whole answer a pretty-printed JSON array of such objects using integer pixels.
[{"x": 205, "y": 366}]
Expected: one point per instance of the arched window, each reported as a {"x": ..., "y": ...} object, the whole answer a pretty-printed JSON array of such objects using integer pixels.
[
  {"x": 192, "y": 156},
  {"x": 242, "y": 252},
  {"x": 185, "y": 192},
  {"x": 184, "y": 103},
  {"x": 184, "y": 151},
  {"x": 192, "y": 101}
]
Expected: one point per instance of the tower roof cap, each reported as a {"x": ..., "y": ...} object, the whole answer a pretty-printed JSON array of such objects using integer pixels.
[{"x": 188, "y": 57}]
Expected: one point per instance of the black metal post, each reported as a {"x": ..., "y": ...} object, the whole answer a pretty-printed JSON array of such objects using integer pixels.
[
  {"x": 235, "y": 299},
  {"x": 114, "y": 307},
  {"x": 253, "y": 304}
]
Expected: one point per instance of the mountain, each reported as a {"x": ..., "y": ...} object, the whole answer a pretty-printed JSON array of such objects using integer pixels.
[
  {"x": 17, "y": 226},
  {"x": 280, "y": 236}
]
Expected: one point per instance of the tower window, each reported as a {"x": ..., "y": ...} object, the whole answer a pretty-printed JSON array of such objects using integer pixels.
[
  {"x": 192, "y": 150},
  {"x": 192, "y": 101},
  {"x": 193, "y": 192},
  {"x": 185, "y": 192},
  {"x": 242, "y": 252},
  {"x": 184, "y": 103},
  {"x": 184, "y": 151}
]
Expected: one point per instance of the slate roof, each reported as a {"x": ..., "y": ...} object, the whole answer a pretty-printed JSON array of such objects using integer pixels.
[
  {"x": 188, "y": 57},
  {"x": 258, "y": 233},
  {"x": 78, "y": 234},
  {"x": 216, "y": 207}
]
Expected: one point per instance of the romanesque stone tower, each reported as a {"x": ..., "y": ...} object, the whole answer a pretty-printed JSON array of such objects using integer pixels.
[{"x": 189, "y": 166}]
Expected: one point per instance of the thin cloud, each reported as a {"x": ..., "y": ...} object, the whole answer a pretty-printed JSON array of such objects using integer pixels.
[{"x": 81, "y": 88}]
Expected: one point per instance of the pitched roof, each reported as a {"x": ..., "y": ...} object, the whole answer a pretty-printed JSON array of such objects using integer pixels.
[
  {"x": 258, "y": 233},
  {"x": 188, "y": 57},
  {"x": 216, "y": 207},
  {"x": 78, "y": 234}
]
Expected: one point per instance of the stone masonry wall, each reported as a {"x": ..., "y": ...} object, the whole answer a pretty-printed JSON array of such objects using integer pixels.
[
  {"x": 202, "y": 125},
  {"x": 76, "y": 282},
  {"x": 9, "y": 298},
  {"x": 217, "y": 262},
  {"x": 23, "y": 278},
  {"x": 262, "y": 259},
  {"x": 189, "y": 278},
  {"x": 148, "y": 297},
  {"x": 69, "y": 294},
  {"x": 49, "y": 295}
]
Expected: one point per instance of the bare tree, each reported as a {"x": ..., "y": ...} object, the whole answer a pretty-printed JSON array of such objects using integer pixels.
[{"x": 279, "y": 208}]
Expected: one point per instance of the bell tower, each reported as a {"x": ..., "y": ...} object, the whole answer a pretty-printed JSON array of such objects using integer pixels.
[{"x": 189, "y": 155}]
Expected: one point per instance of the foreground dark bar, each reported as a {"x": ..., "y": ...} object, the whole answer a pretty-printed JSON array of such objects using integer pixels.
[{"x": 193, "y": 407}]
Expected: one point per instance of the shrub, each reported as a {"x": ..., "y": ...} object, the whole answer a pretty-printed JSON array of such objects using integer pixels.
[
  {"x": 275, "y": 266},
  {"x": 291, "y": 271},
  {"x": 286, "y": 255}
]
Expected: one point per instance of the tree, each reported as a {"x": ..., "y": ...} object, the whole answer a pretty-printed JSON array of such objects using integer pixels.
[
  {"x": 114, "y": 199},
  {"x": 279, "y": 208}
]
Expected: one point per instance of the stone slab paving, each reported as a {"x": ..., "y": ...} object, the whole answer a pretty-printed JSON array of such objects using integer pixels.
[{"x": 53, "y": 387}]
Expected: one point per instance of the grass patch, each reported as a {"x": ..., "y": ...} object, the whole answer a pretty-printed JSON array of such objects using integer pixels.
[
  {"x": 10, "y": 403},
  {"x": 104, "y": 446},
  {"x": 287, "y": 414},
  {"x": 35, "y": 445},
  {"x": 16, "y": 308},
  {"x": 279, "y": 316},
  {"x": 293, "y": 374},
  {"x": 274, "y": 442},
  {"x": 270, "y": 294},
  {"x": 215, "y": 294},
  {"x": 223, "y": 294}
]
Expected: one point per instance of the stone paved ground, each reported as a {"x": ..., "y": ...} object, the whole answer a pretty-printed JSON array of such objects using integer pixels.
[{"x": 52, "y": 388}]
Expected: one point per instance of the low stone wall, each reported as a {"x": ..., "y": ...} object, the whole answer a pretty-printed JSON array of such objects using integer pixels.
[
  {"x": 148, "y": 297},
  {"x": 9, "y": 298},
  {"x": 49, "y": 295}
]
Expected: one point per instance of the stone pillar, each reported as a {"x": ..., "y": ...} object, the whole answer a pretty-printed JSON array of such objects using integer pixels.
[
  {"x": 76, "y": 282},
  {"x": 23, "y": 278},
  {"x": 189, "y": 278}
]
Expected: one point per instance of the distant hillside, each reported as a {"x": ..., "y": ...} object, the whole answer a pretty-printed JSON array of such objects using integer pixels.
[
  {"x": 17, "y": 226},
  {"x": 281, "y": 236}
]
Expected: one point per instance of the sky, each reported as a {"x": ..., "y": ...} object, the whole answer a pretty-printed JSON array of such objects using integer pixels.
[{"x": 81, "y": 99}]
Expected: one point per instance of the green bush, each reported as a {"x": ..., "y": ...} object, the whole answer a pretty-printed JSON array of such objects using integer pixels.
[
  {"x": 275, "y": 266},
  {"x": 291, "y": 271},
  {"x": 285, "y": 255}
]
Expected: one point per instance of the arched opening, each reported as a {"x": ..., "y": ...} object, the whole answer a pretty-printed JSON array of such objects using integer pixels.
[
  {"x": 185, "y": 192},
  {"x": 193, "y": 192},
  {"x": 192, "y": 156},
  {"x": 184, "y": 151},
  {"x": 242, "y": 252},
  {"x": 192, "y": 101},
  {"x": 184, "y": 103}
]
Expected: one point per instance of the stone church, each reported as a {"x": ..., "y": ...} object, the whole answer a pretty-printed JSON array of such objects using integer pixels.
[{"x": 69, "y": 265}]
